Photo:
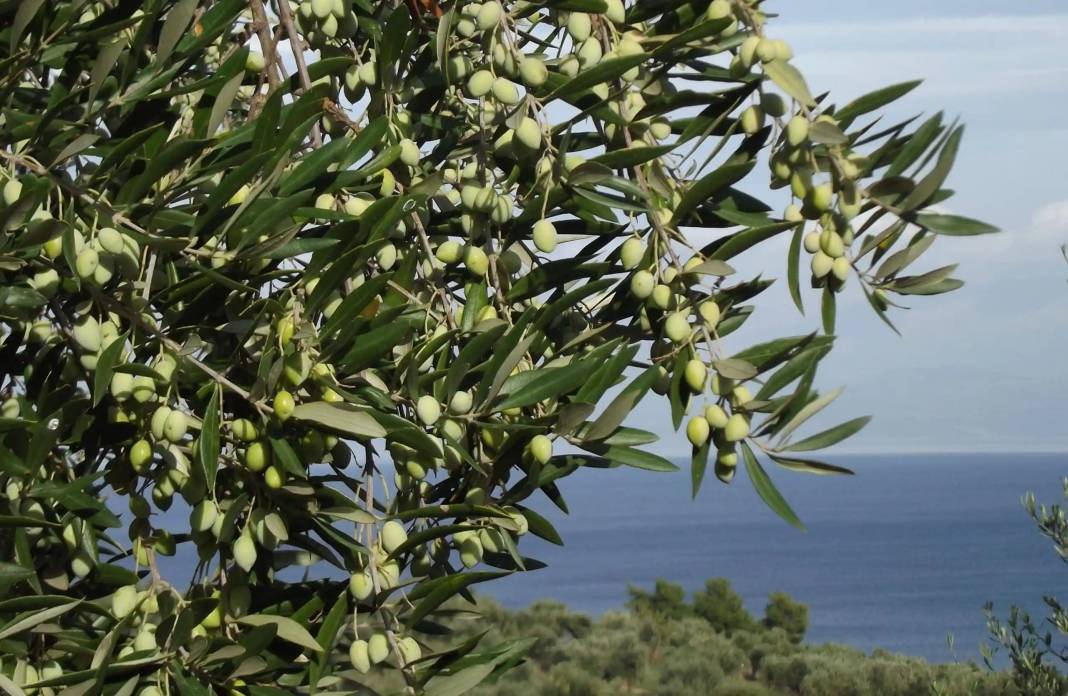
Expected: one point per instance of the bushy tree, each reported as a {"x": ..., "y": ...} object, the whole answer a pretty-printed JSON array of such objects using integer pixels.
[
  {"x": 252, "y": 255},
  {"x": 783, "y": 612},
  {"x": 667, "y": 599},
  {"x": 721, "y": 606}
]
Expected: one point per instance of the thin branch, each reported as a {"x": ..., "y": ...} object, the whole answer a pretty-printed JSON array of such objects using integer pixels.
[{"x": 297, "y": 45}]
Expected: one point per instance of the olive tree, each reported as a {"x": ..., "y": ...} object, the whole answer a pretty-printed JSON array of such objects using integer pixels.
[{"x": 353, "y": 286}]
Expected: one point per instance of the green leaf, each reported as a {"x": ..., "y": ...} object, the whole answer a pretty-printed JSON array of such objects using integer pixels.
[
  {"x": 288, "y": 629},
  {"x": 790, "y": 81},
  {"x": 828, "y": 311},
  {"x": 621, "y": 406},
  {"x": 208, "y": 443},
  {"x": 105, "y": 368},
  {"x": 431, "y": 594},
  {"x": 793, "y": 268},
  {"x": 631, "y": 456},
  {"x": 875, "y": 100},
  {"x": 709, "y": 185},
  {"x": 698, "y": 464},
  {"x": 766, "y": 489},
  {"x": 605, "y": 71},
  {"x": 809, "y": 466},
  {"x": 173, "y": 28},
  {"x": 341, "y": 417},
  {"x": 27, "y": 621},
  {"x": 930, "y": 184},
  {"x": 807, "y": 412},
  {"x": 735, "y": 368},
  {"x": 825, "y": 133},
  {"x": 829, "y": 437},
  {"x": 547, "y": 383},
  {"x": 954, "y": 225},
  {"x": 27, "y": 10}
]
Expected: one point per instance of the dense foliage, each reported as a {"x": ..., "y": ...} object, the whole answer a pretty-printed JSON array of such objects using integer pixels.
[
  {"x": 667, "y": 646},
  {"x": 252, "y": 255}
]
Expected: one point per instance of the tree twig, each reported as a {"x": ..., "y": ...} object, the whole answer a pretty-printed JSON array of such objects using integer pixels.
[{"x": 297, "y": 45}]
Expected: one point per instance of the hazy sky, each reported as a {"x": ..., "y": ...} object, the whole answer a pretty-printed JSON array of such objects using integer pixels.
[{"x": 985, "y": 368}]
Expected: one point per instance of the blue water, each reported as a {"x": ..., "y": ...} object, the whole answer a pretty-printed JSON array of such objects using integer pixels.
[{"x": 897, "y": 557}]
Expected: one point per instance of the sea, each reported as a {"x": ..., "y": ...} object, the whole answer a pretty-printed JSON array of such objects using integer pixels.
[{"x": 901, "y": 556}]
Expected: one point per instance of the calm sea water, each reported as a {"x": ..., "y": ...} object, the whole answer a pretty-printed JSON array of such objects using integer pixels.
[{"x": 897, "y": 557}]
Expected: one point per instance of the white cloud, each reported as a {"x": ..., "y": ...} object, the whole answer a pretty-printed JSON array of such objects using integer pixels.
[
  {"x": 1048, "y": 25},
  {"x": 1052, "y": 219}
]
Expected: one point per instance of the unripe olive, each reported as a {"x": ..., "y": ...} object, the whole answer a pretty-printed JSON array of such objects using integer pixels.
[
  {"x": 257, "y": 456},
  {"x": 86, "y": 263},
  {"x": 631, "y": 253},
  {"x": 741, "y": 395},
  {"x": 87, "y": 334},
  {"x": 528, "y": 133},
  {"x": 773, "y": 105},
  {"x": 747, "y": 51},
  {"x": 53, "y": 247},
  {"x": 393, "y": 536},
  {"x": 797, "y": 130},
  {"x": 122, "y": 385},
  {"x": 579, "y": 26},
  {"x": 812, "y": 242},
  {"x": 642, "y": 284},
  {"x": 752, "y": 120},
  {"x": 471, "y": 552},
  {"x": 124, "y": 601},
  {"x": 783, "y": 50},
  {"x": 273, "y": 477},
  {"x": 615, "y": 12},
  {"x": 143, "y": 388},
  {"x": 696, "y": 374},
  {"x": 428, "y": 409},
  {"x": 716, "y": 416},
  {"x": 203, "y": 516},
  {"x": 283, "y": 405},
  {"x": 245, "y": 552},
  {"x": 766, "y": 51},
  {"x": 533, "y": 71},
  {"x": 480, "y": 83},
  {"x": 81, "y": 563},
  {"x": 476, "y": 260},
  {"x": 159, "y": 419},
  {"x": 840, "y": 268},
  {"x": 386, "y": 257},
  {"x": 710, "y": 313},
  {"x": 505, "y": 91},
  {"x": 727, "y": 458},
  {"x": 409, "y": 153},
  {"x": 821, "y": 264},
  {"x": 46, "y": 282},
  {"x": 244, "y": 429},
  {"x": 110, "y": 240},
  {"x": 140, "y": 455},
  {"x": 378, "y": 648},
  {"x": 822, "y": 196},
  {"x": 541, "y": 448},
  {"x": 737, "y": 428},
  {"x": 460, "y": 403},
  {"x": 12, "y": 191},
  {"x": 176, "y": 426},
  {"x": 449, "y": 252},
  {"x": 697, "y": 431},
  {"x": 145, "y": 640},
  {"x": 718, "y": 9},
  {"x": 677, "y": 327},
  {"x": 361, "y": 585},
  {"x": 662, "y": 295},
  {"x": 254, "y": 62},
  {"x": 489, "y": 15},
  {"x": 544, "y": 236},
  {"x": 360, "y": 657},
  {"x": 409, "y": 650},
  {"x": 832, "y": 244},
  {"x": 10, "y": 408}
]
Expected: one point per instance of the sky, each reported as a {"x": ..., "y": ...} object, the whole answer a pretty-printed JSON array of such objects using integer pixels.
[{"x": 985, "y": 368}]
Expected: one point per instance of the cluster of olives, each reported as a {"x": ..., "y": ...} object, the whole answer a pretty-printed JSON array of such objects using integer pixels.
[
  {"x": 726, "y": 422},
  {"x": 323, "y": 22}
]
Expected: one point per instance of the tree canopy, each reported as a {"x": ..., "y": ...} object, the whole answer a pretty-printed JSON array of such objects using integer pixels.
[{"x": 330, "y": 297}]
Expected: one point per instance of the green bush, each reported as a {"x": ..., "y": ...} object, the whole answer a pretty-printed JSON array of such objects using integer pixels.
[
  {"x": 722, "y": 607},
  {"x": 783, "y": 612}
]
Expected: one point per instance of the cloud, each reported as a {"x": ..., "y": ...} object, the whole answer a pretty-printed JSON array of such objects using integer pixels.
[
  {"x": 1050, "y": 25},
  {"x": 1052, "y": 219}
]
